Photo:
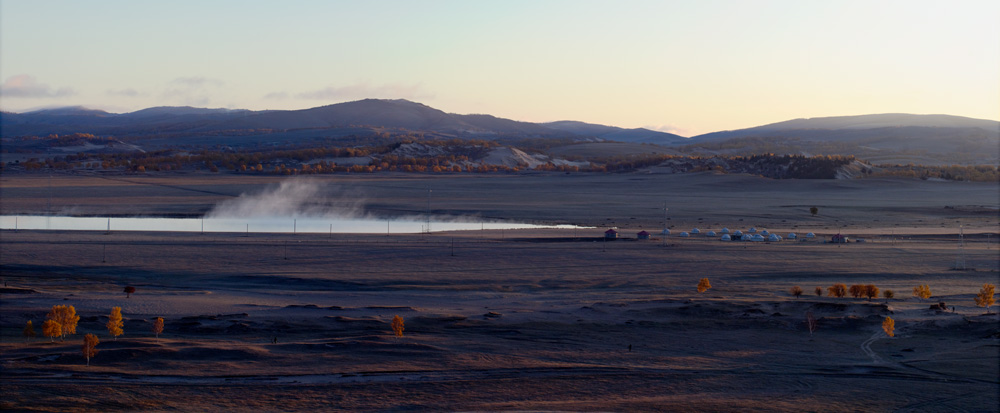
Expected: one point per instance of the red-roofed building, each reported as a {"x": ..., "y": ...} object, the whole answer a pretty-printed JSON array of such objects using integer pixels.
[
  {"x": 612, "y": 234},
  {"x": 642, "y": 235}
]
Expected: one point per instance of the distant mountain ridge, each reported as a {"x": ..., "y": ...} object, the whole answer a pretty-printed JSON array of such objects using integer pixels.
[
  {"x": 891, "y": 137},
  {"x": 375, "y": 113}
]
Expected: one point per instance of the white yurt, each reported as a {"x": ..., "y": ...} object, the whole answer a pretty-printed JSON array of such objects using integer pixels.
[
  {"x": 696, "y": 231},
  {"x": 810, "y": 235},
  {"x": 746, "y": 237},
  {"x": 758, "y": 238},
  {"x": 726, "y": 237},
  {"x": 738, "y": 233},
  {"x": 665, "y": 232},
  {"x": 791, "y": 235},
  {"x": 765, "y": 233},
  {"x": 711, "y": 233},
  {"x": 752, "y": 230},
  {"x": 725, "y": 231},
  {"x": 774, "y": 238},
  {"x": 684, "y": 234}
]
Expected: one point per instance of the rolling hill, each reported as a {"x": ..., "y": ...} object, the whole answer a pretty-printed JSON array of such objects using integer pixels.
[{"x": 880, "y": 138}]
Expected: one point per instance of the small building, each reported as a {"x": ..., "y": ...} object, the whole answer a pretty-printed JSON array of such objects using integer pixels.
[
  {"x": 839, "y": 239},
  {"x": 810, "y": 235},
  {"x": 642, "y": 235},
  {"x": 611, "y": 234}
]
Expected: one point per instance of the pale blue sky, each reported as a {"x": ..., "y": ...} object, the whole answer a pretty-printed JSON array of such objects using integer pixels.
[{"x": 684, "y": 66}]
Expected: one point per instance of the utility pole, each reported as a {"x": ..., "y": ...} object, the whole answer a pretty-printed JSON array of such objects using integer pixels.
[{"x": 428, "y": 210}]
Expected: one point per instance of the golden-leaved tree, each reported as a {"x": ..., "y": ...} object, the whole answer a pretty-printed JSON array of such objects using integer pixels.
[
  {"x": 796, "y": 291},
  {"x": 703, "y": 285},
  {"x": 51, "y": 329},
  {"x": 856, "y": 290},
  {"x": 90, "y": 346},
  {"x": 66, "y": 316},
  {"x": 985, "y": 296},
  {"x": 837, "y": 290},
  {"x": 888, "y": 325},
  {"x": 158, "y": 327},
  {"x": 397, "y": 326},
  {"x": 29, "y": 331},
  {"x": 115, "y": 323},
  {"x": 888, "y": 294},
  {"x": 870, "y": 291},
  {"x": 922, "y": 291}
]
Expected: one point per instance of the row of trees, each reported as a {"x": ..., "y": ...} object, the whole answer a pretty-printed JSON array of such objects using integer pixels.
[
  {"x": 63, "y": 320},
  {"x": 983, "y": 299}
]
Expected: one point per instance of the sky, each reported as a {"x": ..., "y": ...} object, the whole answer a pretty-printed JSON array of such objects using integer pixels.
[{"x": 686, "y": 67}]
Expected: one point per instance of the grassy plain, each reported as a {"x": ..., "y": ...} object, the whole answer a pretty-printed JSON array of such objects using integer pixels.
[{"x": 508, "y": 320}]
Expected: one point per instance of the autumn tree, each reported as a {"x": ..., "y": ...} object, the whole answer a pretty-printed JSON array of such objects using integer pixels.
[
  {"x": 819, "y": 291},
  {"x": 115, "y": 323},
  {"x": 888, "y": 325},
  {"x": 856, "y": 290},
  {"x": 129, "y": 291},
  {"x": 796, "y": 291},
  {"x": 66, "y": 316},
  {"x": 397, "y": 326},
  {"x": 158, "y": 327},
  {"x": 29, "y": 331},
  {"x": 888, "y": 294},
  {"x": 90, "y": 346},
  {"x": 837, "y": 290},
  {"x": 985, "y": 296},
  {"x": 922, "y": 291},
  {"x": 870, "y": 291},
  {"x": 703, "y": 285},
  {"x": 51, "y": 329}
]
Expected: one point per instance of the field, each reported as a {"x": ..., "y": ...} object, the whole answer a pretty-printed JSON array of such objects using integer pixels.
[{"x": 509, "y": 320}]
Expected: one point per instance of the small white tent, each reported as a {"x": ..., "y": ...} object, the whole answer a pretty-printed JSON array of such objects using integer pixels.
[
  {"x": 696, "y": 231},
  {"x": 810, "y": 235},
  {"x": 752, "y": 230},
  {"x": 711, "y": 233},
  {"x": 774, "y": 238},
  {"x": 765, "y": 233},
  {"x": 758, "y": 238},
  {"x": 726, "y": 237},
  {"x": 725, "y": 231},
  {"x": 684, "y": 234},
  {"x": 665, "y": 232},
  {"x": 791, "y": 235},
  {"x": 738, "y": 233},
  {"x": 746, "y": 237}
]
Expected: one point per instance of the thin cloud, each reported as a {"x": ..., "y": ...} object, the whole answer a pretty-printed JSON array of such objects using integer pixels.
[
  {"x": 365, "y": 90},
  {"x": 127, "y": 92},
  {"x": 26, "y": 86},
  {"x": 197, "y": 81},
  {"x": 191, "y": 90},
  {"x": 276, "y": 95}
]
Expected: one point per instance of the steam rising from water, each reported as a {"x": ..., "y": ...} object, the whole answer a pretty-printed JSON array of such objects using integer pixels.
[{"x": 292, "y": 198}]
